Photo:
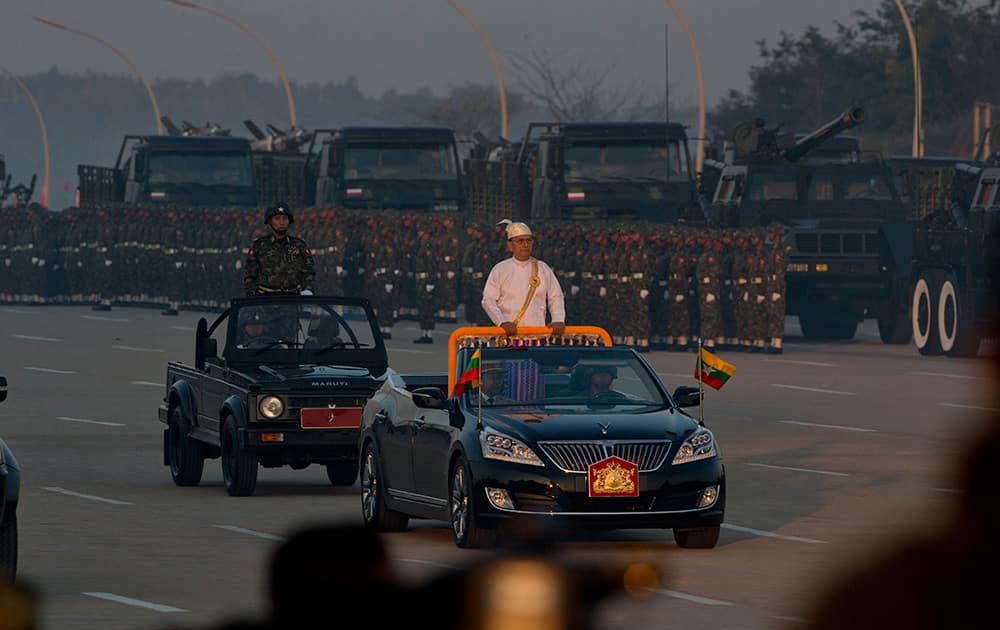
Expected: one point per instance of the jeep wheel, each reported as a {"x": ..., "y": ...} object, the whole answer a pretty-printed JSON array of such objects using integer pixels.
[
  {"x": 342, "y": 473},
  {"x": 8, "y": 549},
  {"x": 373, "y": 508},
  {"x": 465, "y": 527},
  {"x": 187, "y": 462},
  {"x": 701, "y": 538},
  {"x": 239, "y": 469}
]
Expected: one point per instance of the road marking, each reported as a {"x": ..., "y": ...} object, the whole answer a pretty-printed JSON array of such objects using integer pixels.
[
  {"x": 808, "y": 470},
  {"x": 50, "y": 370},
  {"x": 813, "y": 389},
  {"x": 974, "y": 407},
  {"x": 104, "y": 319},
  {"x": 815, "y": 363},
  {"x": 409, "y": 351},
  {"x": 148, "y": 383},
  {"x": 32, "y": 338},
  {"x": 90, "y": 497},
  {"x": 827, "y": 426},
  {"x": 128, "y": 601},
  {"x": 186, "y": 328},
  {"x": 698, "y": 599},
  {"x": 766, "y": 534},
  {"x": 944, "y": 375},
  {"x": 86, "y": 421},
  {"x": 134, "y": 349},
  {"x": 431, "y": 563},
  {"x": 14, "y": 310},
  {"x": 791, "y": 619},
  {"x": 250, "y": 532}
]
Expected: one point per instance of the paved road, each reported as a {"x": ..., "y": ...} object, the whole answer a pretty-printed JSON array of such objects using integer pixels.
[{"x": 832, "y": 450}]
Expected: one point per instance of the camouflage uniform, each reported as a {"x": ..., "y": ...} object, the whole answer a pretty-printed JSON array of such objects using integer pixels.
[
  {"x": 425, "y": 267},
  {"x": 282, "y": 265},
  {"x": 775, "y": 291},
  {"x": 709, "y": 281}
]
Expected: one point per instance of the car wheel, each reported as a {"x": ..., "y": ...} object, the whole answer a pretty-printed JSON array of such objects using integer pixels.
[
  {"x": 342, "y": 473},
  {"x": 373, "y": 508},
  {"x": 701, "y": 538},
  {"x": 465, "y": 527},
  {"x": 8, "y": 549},
  {"x": 187, "y": 462},
  {"x": 239, "y": 469},
  {"x": 923, "y": 315},
  {"x": 957, "y": 334}
]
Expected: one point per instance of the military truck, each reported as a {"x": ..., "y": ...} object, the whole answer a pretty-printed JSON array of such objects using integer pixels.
[
  {"x": 839, "y": 269},
  {"x": 587, "y": 171},
  {"x": 376, "y": 168},
  {"x": 176, "y": 170}
]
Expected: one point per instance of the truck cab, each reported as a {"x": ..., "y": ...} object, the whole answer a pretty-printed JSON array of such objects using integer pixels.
[
  {"x": 375, "y": 168},
  {"x": 186, "y": 170}
]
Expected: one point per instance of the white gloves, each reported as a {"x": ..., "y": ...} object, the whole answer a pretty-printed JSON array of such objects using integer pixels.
[
  {"x": 340, "y": 270},
  {"x": 709, "y": 297},
  {"x": 177, "y": 265},
  {"x": 305, "y": 292},
  {"x": 451, "y": 274},
  {"x": 679, "y": 298},
  {"x": 602, "y": 292},
  {"x": 760, "y": 298},
  {"x": 643, "y": 293},
  {"x": 429, "y": 287},
  {"x": 746, "y": 296},
  {"x": 775, "y": 297},
  {"x": 574, "y": 290},
  {"x": 388, "y": 288},
  {"x": 361, "y": 271},
  {"x": 239, "y": 265},
  {"x": 107, "y": 263}
]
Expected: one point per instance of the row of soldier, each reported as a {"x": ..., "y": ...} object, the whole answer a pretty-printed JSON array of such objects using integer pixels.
[{"x": 651, "y": 286}]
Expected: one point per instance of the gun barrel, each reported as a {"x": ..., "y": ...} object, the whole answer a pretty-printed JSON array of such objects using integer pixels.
[{"x": 851, "y": 118}]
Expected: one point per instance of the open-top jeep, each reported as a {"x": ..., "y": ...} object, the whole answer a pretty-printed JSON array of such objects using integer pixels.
[{"x": 288, "y": 390}]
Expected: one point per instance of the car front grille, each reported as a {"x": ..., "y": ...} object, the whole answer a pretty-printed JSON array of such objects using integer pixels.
[{"x": 577, "y": 457}]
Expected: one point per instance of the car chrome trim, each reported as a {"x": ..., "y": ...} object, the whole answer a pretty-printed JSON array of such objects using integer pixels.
[
  {"x": 576, "y": 456},
  {"x": 402, "y": 495},
  {"x": 600, "y": 514}
]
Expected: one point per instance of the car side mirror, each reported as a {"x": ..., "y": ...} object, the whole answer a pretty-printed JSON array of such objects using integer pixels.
[
  {"x": 687, "y": 396},
  {"x": 209, "y": 348},
  {"x": 3, "y": 388},
  {"x": 429, "y": 398},
  {"x": 200, "y": 336}
]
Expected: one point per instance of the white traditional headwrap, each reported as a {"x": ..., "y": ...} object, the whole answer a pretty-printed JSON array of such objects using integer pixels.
[{"x": 515, "y": 228}]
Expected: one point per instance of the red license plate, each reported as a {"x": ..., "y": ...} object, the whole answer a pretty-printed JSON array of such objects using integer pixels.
[
  {"x": 613, "y": 477},
  {"x": 331, "y": 418}
]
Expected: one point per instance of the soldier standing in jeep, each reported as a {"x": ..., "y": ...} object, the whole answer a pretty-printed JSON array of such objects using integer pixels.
[{"x": 278, "y": 263}]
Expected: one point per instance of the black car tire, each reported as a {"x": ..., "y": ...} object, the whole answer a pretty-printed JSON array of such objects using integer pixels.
[
  {"x": 239, "y": 469},
  {"x": 373, "y": 508},
  {"x": 465, "y": 527},
  {"x": 342, "y": 473},
  {"x": 187, "y": 461},
  {"x": 8, "y": 549},
  {"x": 701, "y": 538}
]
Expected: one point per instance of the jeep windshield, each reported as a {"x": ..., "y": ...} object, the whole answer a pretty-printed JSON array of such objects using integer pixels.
[
  {"x": 407, "y": 161},
  {"x": 630, "y": 160},
  {"x": 575, "y": 380}
]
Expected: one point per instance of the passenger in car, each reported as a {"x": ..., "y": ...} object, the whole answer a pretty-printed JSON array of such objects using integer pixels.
[{"x": 493, "y": 382}]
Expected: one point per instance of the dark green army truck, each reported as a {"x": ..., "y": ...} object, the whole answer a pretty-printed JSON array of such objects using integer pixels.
[
  {"x": 590, "y": 171},
  {"x": 376, "y": 168},
  {"x": 840, "y": 269},
  {"x": 175, "y": 170}
]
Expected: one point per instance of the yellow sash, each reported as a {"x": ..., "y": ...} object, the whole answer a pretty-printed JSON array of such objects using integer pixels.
[{"x": 534, "y": 281}]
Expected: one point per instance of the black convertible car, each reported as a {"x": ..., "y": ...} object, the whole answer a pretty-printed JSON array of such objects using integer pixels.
[
  {"x": 288, "y": 390},
  {"x": 10, "y": 484},
  {"x": 566, "y": 431}
]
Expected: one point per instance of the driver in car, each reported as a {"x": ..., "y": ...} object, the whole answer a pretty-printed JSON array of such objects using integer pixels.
[
  {"x": 253, "y": 331},
  {"x": 602, "y": 378}
]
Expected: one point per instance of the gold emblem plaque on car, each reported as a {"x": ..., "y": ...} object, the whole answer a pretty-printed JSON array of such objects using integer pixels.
[{"x": 613, "y": 477}]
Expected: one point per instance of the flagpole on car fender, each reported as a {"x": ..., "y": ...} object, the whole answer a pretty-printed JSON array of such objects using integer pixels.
[{"x": 701, "y": 389}]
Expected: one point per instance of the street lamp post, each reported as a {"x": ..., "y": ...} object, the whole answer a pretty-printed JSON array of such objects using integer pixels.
[
  {"x": 267, "y": 49},
  {"x": 41, "y": 125},
  {"x": 496, "y": 65},
  {"x": 700, "y": 153},
  {"x": 918, "y": 90},
  {"x": 135, "y": 69}
]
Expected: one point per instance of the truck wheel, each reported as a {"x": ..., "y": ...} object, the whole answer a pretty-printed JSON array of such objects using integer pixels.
[
  {"x": 373, "y": 508},
  {"x": 958, "y": 336},
  {"x": 8, "y": 549},
  {"x": 342, "y": 473},
  {"x": 701, "y": 538},
  {"x": 239, "y": 469},
  {"x": 923, "y": 315},
  {"x": 465, "y": 527},
  {"x": 187, "y": 461},
  {"x": 894, "y": 321}
]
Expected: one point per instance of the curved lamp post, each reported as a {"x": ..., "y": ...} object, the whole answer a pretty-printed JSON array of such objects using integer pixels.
[
  {"x": 149, "y": 90},
  {"x": 918, "y": 89},
  {"x": 496, "y": 65},
  {"x": 41, "y": 125},
  {"x": 700, "y": 153},
  {"x": 267, "y": 49}
]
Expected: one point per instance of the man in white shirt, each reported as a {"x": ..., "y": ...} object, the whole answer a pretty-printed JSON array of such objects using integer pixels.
[{"x": 519, "y": 289}]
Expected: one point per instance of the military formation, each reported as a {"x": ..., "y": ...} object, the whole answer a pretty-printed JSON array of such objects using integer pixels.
[{"x": 652, "y": 286}]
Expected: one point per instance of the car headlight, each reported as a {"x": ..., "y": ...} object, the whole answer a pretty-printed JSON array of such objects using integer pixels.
[
  {"x": 497, "y": 445},
  {"x": 701, "y": 445},
  {"x": 271, "y": 407}
]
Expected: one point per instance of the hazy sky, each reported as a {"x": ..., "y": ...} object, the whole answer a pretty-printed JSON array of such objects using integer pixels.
[{"x": 408, "y": 44}]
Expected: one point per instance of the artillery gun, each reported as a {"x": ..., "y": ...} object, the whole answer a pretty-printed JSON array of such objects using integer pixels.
[
  {"x": 279, "y": 162},
  {"x": 833, "y": 211},
  {"x": 191, "y": 131},
  {"x": 22, "y": 194}
]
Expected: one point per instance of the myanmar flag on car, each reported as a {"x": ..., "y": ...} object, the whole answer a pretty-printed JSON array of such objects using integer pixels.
[
  {"x": 712, "y": 370},
  {"x": 470, "y": 376}
]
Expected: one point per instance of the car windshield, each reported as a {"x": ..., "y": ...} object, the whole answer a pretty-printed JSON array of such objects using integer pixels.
[
  {"x": 572, "y": 379},
  {"x": 611, "y": 161},
  {"x": 299, "y": 332},
  {"x": 208, "y": 169},
  {"x": 431, "y": 160}
]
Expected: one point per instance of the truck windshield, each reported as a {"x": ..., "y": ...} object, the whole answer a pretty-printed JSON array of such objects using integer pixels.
[
  {"x": 768, "y": 186},
  {"x": 865, "y": 186},
  {"x": 207, "y": 169},
  {"x": 400, "y": 161},
  {"x": 626, "y": 160}
]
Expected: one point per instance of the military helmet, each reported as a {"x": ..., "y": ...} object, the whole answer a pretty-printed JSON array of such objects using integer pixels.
[
  {"x": 251, "y": 315},
  {"x": 276, "y": 209}
]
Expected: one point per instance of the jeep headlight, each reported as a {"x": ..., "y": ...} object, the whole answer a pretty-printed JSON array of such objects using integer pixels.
[
  {"x": 271, "y": 407},
  {"x": 701, "y": 445},
  {"x": 497, "y": 445}
]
